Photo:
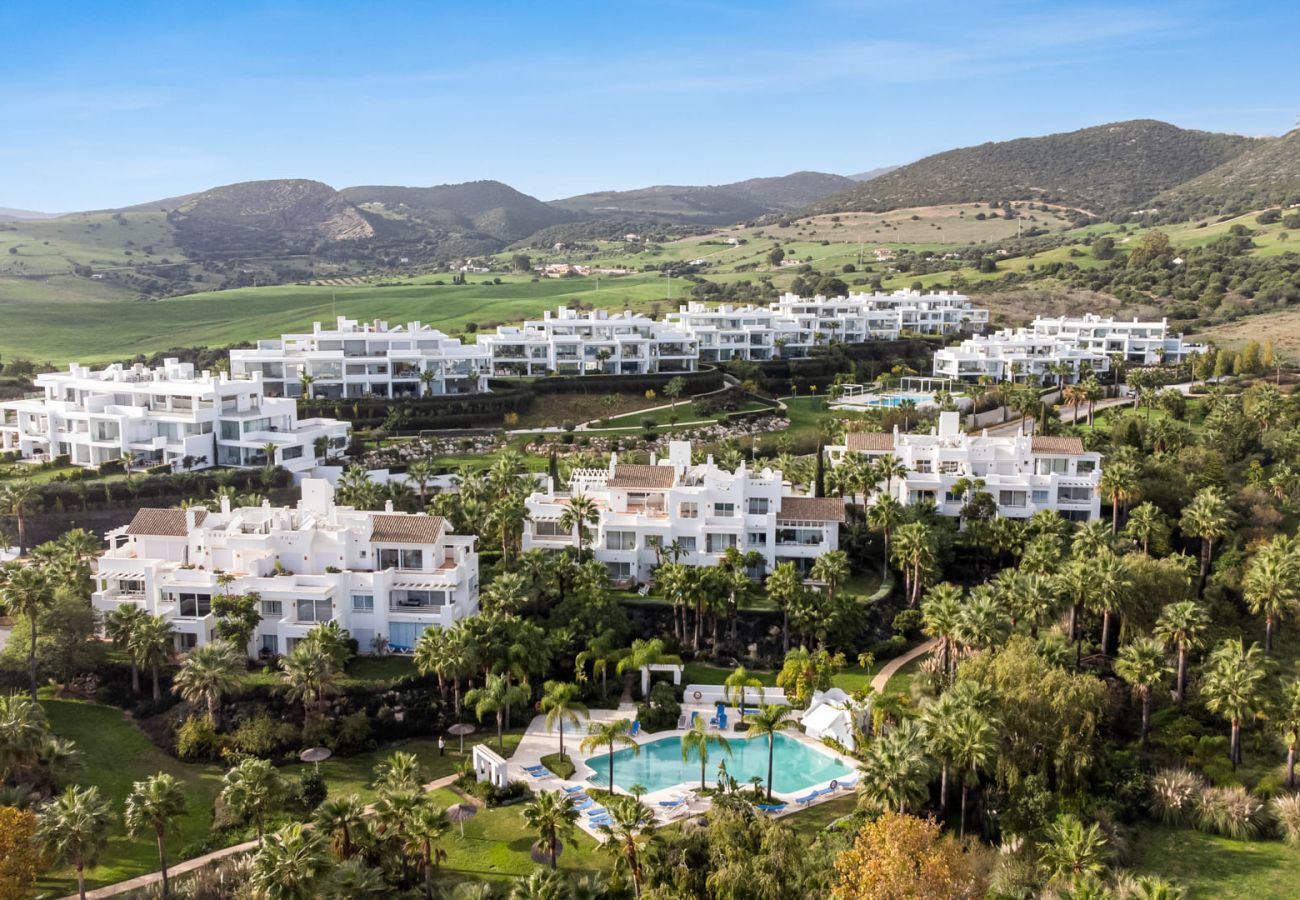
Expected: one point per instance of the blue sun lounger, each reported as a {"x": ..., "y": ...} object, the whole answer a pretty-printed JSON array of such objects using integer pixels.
[
  {"x": 636, "y": 728},
  {"x": 597, "y": 821},
  {"x": 807, "y": 798},
  {"x": 575, "y": 789},
  {"x": 672, "y": 804},
  {"x": 770, "y": 807},
  {"x": 597, "y": 812},
  {"x": 587, "y": 803}
]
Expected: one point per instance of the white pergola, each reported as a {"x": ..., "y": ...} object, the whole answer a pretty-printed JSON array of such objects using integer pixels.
[
  {"x": 489, "y": 766},
  {"x": 675, "y": 668}
]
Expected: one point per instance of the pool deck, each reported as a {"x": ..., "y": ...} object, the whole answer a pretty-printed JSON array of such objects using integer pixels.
[{"x": 537, "y": 742}]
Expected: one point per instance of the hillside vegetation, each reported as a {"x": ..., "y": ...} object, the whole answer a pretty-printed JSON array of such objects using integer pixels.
[
  {"x": 1103, "y": 169},
  {"x": 1268, "y": 174},
  {"x": 490, "y": 207}
]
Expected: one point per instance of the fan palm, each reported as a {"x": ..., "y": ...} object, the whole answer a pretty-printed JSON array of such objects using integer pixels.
[
  {"x": 560, "y": 703},
  {"x": 896, "y": 769},
  {"x": 784, "y": 587},
  {"x": 1182, "y": 625},
  {"x": 631, "y": 822},
  {"x": 1271, "y": 586},
  {"x": 20, "y": 498},
  {"x": 309, "y": 676},
  {"x": 154, "y": 805},
  {"x": 1287, "y": 721},
  {"x": 28, "y": 592},
  {"x": 210, "y": 673},
  {"x": 768, "y": 721},
  {"x": 883, "y": 516},
  {"x": 342, "y": 818},
  {"x": 695, "y": 742},
  {"x": 23, "y": 732},
  {"x": 1071, "y": 850},
  {"x": 1142, "y": 664},
  {"x": 289, "y": 864},
  {"x": 495, "y": 697},
  {"x": 425, "y": 825},
  {"x": 832, "y": 568},
  {"x": 74, "y": 828},
  {"x": 1146, "y": 527},
  {"x": 972, "y": 740},
  {"x": 119, "y": 625},
  {"x": 1233, "y": 687},
  {"x": 610, "y": 735},
  {"x": 552, "y": 816},
  {"x": 150, "y": 646},
  {"x": 1209, "y": 518},
  {"x": 252, "y": 791},
  {"x": 580, "y": 512}
]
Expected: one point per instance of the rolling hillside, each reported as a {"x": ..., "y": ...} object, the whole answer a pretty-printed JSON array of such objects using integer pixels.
[
  {"x": 1104, "y": 169},
  {"x": 486, "y": 207},
  {"x": 1268, "y": 174}
]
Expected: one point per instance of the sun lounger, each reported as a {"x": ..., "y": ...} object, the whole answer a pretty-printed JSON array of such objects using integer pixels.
[
  {"x": 543, "y": 773},
  {"x": 770, "y": 807},
  {"x": 574, "y": 789},
  {"x": 845, "y": 785},
  {"x": 531, "y": 769},
  {"x": 807, "y": 798},
  {"x": 602, "y": 820},
  {"x": 597, "y": 812},
  {"x": 587, "y": 803},
  {"x": 672, "y": 804},
  {"x": 636, "y": 728}
]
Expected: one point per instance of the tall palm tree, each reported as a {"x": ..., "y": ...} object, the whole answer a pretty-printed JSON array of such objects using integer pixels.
[
  {"x": 154, "y": 805},
  {"x": 1146, "y": 526},
  {"x": 119, "y": 626},
  {"x": 253, "y": 790},
  {"x": 610, "y": 735},
  {"x": 602, "y": 651},
  {"x": 73, "y": 828},
  {"x": 309, "y": 676},
  {"x": 342, "y": 818},
  {"x": 982, "y": 623},
  {"x": 769, "y": 720},
  {"x": 913, "y": 551},
  {"x": 209, "y": 674},
  {"x": 1182, "y": 625},
  {"x": 735, "y": 685},
  {"x": 1271, "y": 585},
  {"x": 399, "y": 773},
  {"x": 784, "y": 587},
  {"x": 23, "y": 733},
  {"x": 449, "y": 654},
  {"x": 695, "y": 742},
  {"x": 940, "y": 611},
  {"x": 580, "y": 512},
  {"x": 1233, "y": 688},
  {"x": 150, "y": 647},
  {"x": 1111, "y": 588},
  {"x": 896, "y": 769},
  {"x": 20, "y": 499},
  {"x": 1209, "y": 518},
  {"x": 832, "y": 568},
  {"x": 1143, "y": 665},
  {"x": 631, "y": 822},
  {"x": 560, "y": 703},
  {"x": 425, "y": 825},
  {"x": 496, "y": 695},
  {"x": 552, "y": 816},
  {"x": 888, "y": 468},
  {"x": 289, "y": 864},
  {"x": 28, "y": 592},
  {"x": 1287, "y": 722},
  {"x": 972, "y": 741},
  {"x": 1119, "y": 484}
]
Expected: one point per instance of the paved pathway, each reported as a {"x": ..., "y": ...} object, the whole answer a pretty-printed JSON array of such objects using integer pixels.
[
  {"x": 891, "y": 668},
  {"x": 198, "y": 862}
]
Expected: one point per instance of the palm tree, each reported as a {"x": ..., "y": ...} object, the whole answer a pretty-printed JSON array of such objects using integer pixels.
[
  {"x": 1271, "y": 585},
  {"x": 209, "y": 673},
  {"x": 447, "y": 653},
  {"x": 735, "y": 685},
  {"x": 769, "y": 720},
  {"x": 580, "y": 512},
  {"x": 28, "y": 592},
  {"x": 119, "y": 625},
  {"x": 1146, "y": 526},
  {"x": 74, "y": 828},
  {"x": 601, "y": 652},
  {"x": 495, "y": 697},
  {"x": 643, "y": 654},
  {"x": 309, "y": 675},
  {"x": 561, "y": 704},
  {"x": 342, "y": 818},
  {"x": 784, "y": 587},
  {"x": 1119, "y": 485},
  {"x": 1233, "y": 686},
  {"x": 18, "y": 499},
  {"x": 696, "y": 742},
  {"x": 1142, "y": 664},
  {"x": 289, "y": 864},
  {"x": 913, "y": 551},
  {"x": 425, "y": 824},
  {"x": 427, "y": 378},
  {"x": 1207, "y": 517},
  {"x": 306, "y": 381},
  {"x": 150, "y": 647},
  {"x": 552, "y": 816},
  {"x": 154, "y": 805},
  {"x": 610, "y": 735},
  {"x": 832, "y": 568},
  {"x": 1287, "y": 722},
  {"x": 1111, "y": 587},
  {"x": 399, "y": 774},
  {"x": 972, "y": 742},
  {"x": 23, "y": 733},
  {"x": 883, "y": 517},
  {"x": 1071, "y": 850},
  {"x": 630, "y": 820},
  {"x": 1182, "y": 625},
  {"x": 253, "y": 790},
  {"x": 896, "y": 769},
  {"x": 269, "y": 449}
]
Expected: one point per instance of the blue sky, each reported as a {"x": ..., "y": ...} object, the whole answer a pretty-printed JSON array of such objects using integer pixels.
[{"x": 107, "y": 104}]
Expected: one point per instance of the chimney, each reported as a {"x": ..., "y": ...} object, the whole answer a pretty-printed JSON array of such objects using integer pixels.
[
  {"x": 388, "y": 506},
  {"x": 225, "y": 504},
  {"x": 191, "y": 518}
]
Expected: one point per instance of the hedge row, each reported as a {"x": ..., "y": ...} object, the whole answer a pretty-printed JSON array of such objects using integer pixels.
[{"x": 57, "y": 496}]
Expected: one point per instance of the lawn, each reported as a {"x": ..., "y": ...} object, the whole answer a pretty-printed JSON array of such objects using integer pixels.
[
  {"x": 116, "y": 755},
  {"x": 1216, "y": 868},
  {"x": 810, "y": 821}
]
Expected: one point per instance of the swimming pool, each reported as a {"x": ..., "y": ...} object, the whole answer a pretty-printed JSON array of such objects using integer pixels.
[
  {"x": 895, "y": 400},
  {"x": 659, "y": 765}
]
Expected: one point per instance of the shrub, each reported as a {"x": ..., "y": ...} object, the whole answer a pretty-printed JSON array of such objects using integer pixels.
[
  {"x": 312, "y": 789},
  {"x": 908, "y": 623},
  {"x": 354, "y": 733},
  {"x": 661, "y": 710},
  {"x": 261, "y": 735},
  {"x": 1286, "y": 813},
  {"x": 492, "y": 795},
  {"x": 890, "y": 647},
  {"x": 318, "y": 731},
  {"x": 1232, "y": 812},
  {"x": 196, "y": 739},
  {"x": 1174, "y": 795}
]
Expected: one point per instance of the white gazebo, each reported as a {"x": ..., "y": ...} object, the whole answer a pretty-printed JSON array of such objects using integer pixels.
[
  {"x": 675, "y": 668},
  {"x": 490, "y": 766}
]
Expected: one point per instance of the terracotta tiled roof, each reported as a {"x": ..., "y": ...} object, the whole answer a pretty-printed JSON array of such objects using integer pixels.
[
  {"x": 410, "y": 529},
  {"x": 870, "y": 441},
  {"x": 1071, "y": 446},
  {"x": 632, "y": 476},
  {"x": 163, "y": 522},
  {"x": 811, "y": 509}
]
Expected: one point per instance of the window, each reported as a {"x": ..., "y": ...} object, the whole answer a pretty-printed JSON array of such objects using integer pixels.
[
  {"x": 1040, "y": 496},
  {"x": 229, "y": 430},
  {"x": 687, "y": 544},
  {"x": 192, "y": 606},
  {"x": 1074, "y": 494},
  {"x": 799, "y": 537},
  {"x": 756, "y": 538},
  {"x": 315, "y": 610},
  {"x": 724, "y": 509},
  {"x": 758, "y": 506},
  {"x": 401, "y": 559},
  {"x": 272, "y": 609},
  {"x": 689, "y": 510},
  {"x": 130, "y": 586},
  {"x": 1011, "y": 498},
  {"x": 620, "y": 540},
  {"x": 949, "y": 467},
  {"x": 1053, "y": 466},
  {"x": 1085, "y": 467},
  {"x": 922, "y": 467},
  {"x": 412, "y": 600},
  {"x": 952, "y": 497},
  {"x": 549, "y": 528},
  {"x": 619, "y": 570},
  {"x": 287, "y": 453},
  {"x": 654, "y": 541},
  {"x": 717, "y": 543},
  {"x": 363, "y": 602},
  {"x": 270, "y": 644}
]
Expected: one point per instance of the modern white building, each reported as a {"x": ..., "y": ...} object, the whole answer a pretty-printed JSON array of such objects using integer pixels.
[
  {"x": 170, "y": 414},
  {"x": 372, "y": 359},
  {"x": 1080, "y": 343},
  {"x": 378, "y": 574},
  {"x": 701, "y": 509},
  {"x": 581, "y": 343},
  {"x": 792, "y": 326},
  {"x": 1023, "y": 474}
]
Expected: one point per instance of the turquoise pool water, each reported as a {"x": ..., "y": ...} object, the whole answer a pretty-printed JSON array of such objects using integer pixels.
[
  {"x": 894, "y": 400},
  {"x": 659, "y": 765}
]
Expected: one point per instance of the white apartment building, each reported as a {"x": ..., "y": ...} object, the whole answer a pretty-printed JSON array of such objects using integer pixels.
[
  {"x": 1078, "y": 342},
  {"x": 792, "y": 326},
  {"x": 170, "y": 414},
  {"x": 375, "y": 573},
  {"x": 355, "y": 359},
  {"x": 582, "y": 343},
  {"x": 1023, "y": 474},
  {"x": 701, "y": 508}
]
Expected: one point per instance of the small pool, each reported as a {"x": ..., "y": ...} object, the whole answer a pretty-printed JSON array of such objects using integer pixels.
[
  {"x": 659, "y": 765},
  {"x": 895, "y": 400}
]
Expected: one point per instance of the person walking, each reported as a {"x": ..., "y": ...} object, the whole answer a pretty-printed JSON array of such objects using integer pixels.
[{"x": 442, "y": 746}]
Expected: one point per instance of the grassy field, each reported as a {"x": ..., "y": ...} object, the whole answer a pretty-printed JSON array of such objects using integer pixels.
[
  {"x": 1282, "y": 327},
  {"x": 1216, "y": 868}
]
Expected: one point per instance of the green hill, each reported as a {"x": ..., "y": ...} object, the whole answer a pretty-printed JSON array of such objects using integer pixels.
[
  {"x": 485, "y": 207},
  {"x": 1268, "y": 174},
  {"x": 1104, "y": 169}
]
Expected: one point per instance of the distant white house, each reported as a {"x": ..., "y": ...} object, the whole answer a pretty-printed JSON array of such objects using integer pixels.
[{"x": 596, "y": 342}]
